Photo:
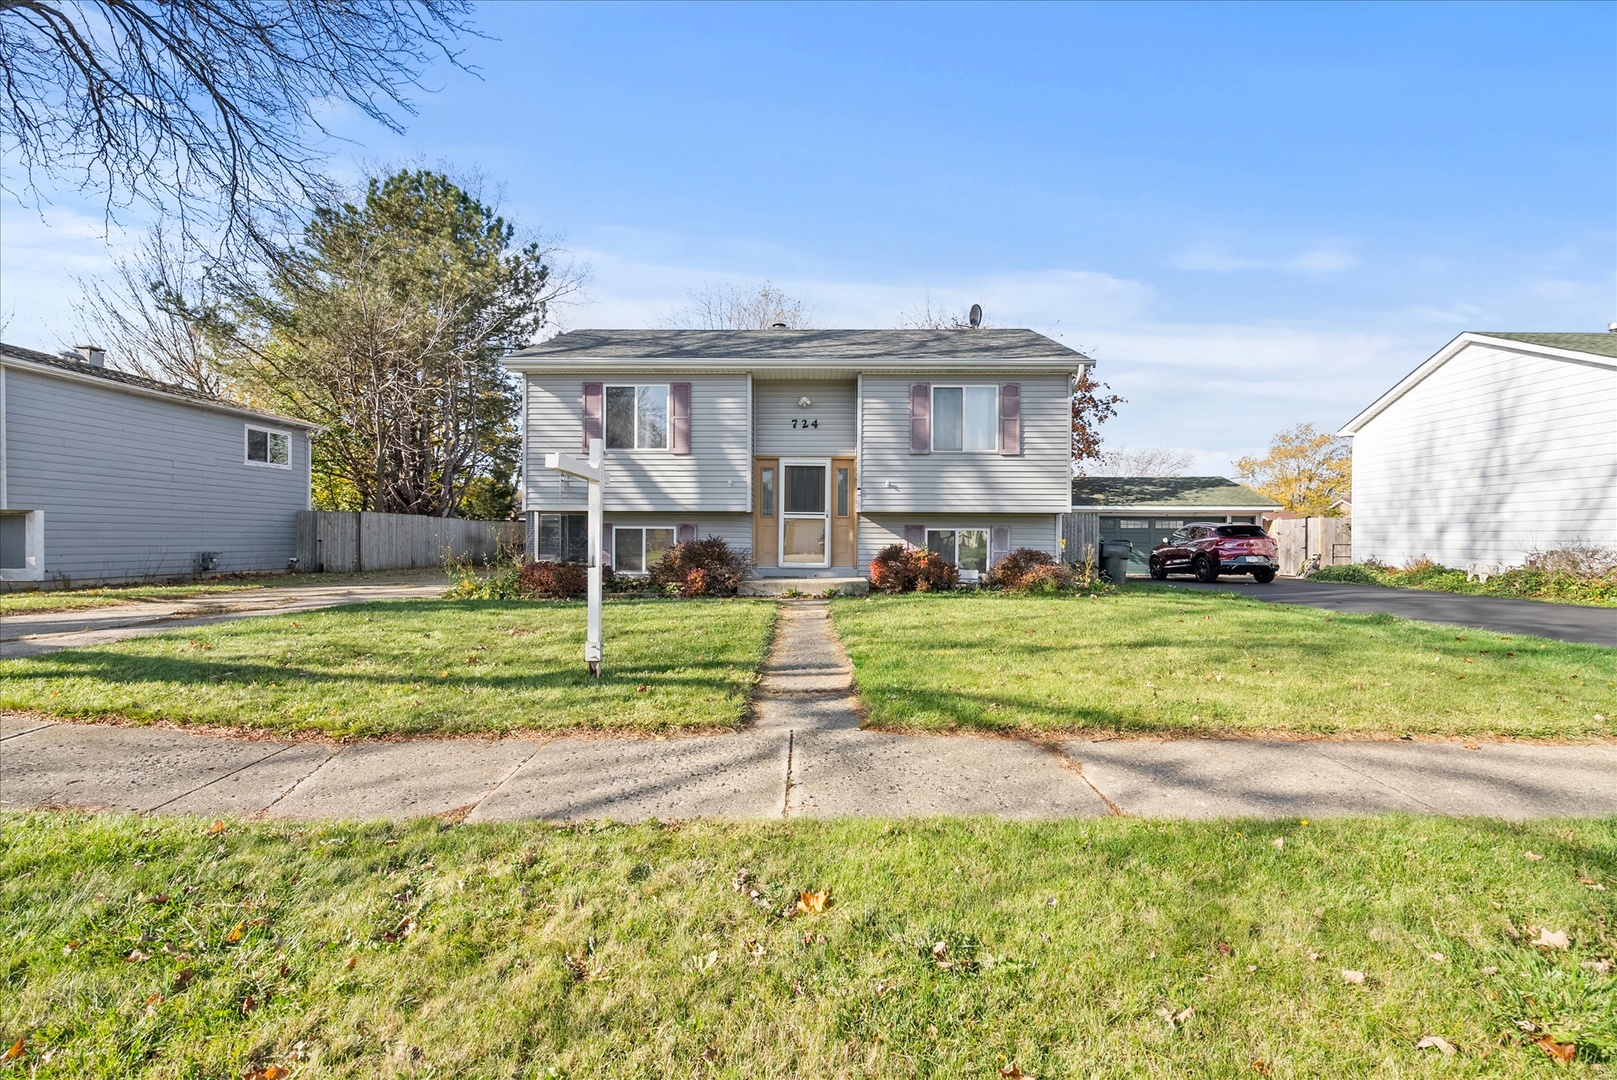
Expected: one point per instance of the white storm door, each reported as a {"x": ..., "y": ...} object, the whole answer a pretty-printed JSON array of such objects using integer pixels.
[{"x": 805, "y": 519}]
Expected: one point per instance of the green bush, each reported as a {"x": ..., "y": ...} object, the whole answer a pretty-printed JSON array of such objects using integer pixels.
[
  {"x": 1527, "y": 583},
  {"x": 1352, "y": 574},
  {"x": 501, "y": 582}
]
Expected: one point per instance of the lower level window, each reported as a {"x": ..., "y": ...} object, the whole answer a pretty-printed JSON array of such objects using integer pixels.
[
  {"x": 564, "y": 538},
  {"x": 636, "y": 550},
  {"x": 22, "y": 542},
  {"x": 966, "y": 548}
]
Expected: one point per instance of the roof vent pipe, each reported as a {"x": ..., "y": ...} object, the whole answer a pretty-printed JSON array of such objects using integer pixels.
[
  {"x": 1611, "y": 328},
  {"x": 779, "y": 326},
  {"x": 94, "y": 355}
]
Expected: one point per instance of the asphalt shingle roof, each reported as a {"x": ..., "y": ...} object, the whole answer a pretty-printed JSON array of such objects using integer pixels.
[
  {"x": 802, "y": 346},
  {"x": 1595, "y": 344},
  {"x": 113, "y": 375},
  {"x": 1188, "y": 492}
]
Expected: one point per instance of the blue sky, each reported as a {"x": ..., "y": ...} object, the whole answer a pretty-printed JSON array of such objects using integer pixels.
[{"x": 1250, "y": 215}]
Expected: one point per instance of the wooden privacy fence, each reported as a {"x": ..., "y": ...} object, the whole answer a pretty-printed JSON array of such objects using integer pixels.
[
  {"x": 1080, "y": 537},
  {"x": 343, "y": 542},
  {"x": 1302, "y": 541}
]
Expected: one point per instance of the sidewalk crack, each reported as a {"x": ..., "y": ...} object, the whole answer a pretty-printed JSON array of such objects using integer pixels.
[
  {"x": 221, "y": 776},
  {"x": 786, "y": 795},
  {"x": 1376, "y": 780},
  {"x": 501, "y": 782}
]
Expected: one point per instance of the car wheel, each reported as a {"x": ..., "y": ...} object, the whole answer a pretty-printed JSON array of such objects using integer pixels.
[
  {"x": 1263, "y": 577},
  {"x": 1158, "y": 571},
  {"x": 1204, "y": 568}
]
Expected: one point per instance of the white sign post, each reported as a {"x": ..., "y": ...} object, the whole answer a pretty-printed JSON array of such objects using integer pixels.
[{"x": 591, "y": 470}]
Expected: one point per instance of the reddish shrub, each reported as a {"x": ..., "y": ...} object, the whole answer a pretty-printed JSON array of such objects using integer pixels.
[
  {"x": 902, "y": 568},
  {"x": 556, "y": 581},
  {"x": 702, "y": 568},
  {"x": 1013, "y": 568}
]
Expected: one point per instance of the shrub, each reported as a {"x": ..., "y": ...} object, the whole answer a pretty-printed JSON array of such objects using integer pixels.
[
  {"x": 1347, "y": 575},
  {"x": 501, "y": 582},
  {"x": 702, "y": 568},
  {"x": 1578, "y": 559},
  {"x": 1013, "y": 568},
  {"x": 554, "y": 580},
  {"x": 901, "y": 568}
]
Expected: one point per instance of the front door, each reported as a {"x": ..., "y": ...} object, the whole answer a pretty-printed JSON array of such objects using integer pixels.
[{"x": 805, "y": 518}]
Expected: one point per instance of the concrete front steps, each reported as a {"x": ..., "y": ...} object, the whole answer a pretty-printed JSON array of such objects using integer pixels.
[{"x": 829, "y": 585}]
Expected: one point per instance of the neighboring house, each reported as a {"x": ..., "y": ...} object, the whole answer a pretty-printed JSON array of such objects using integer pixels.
[
  {"x": 1143, "y": 510},
  {"x": 813, "y": 449},
  {"x": 1498, "y": 446},
  {"x": 107, "y": 476}
]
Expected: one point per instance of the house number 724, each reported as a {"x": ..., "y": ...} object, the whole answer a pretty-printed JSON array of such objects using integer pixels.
[{"x": 805, "y": 424}]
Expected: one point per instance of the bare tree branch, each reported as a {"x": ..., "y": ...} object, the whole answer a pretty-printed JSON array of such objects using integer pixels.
[{"x": 724, "y": 305}]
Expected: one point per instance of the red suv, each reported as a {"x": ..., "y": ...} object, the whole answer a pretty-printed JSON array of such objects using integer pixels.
[{"x": 1208, "y": 549}]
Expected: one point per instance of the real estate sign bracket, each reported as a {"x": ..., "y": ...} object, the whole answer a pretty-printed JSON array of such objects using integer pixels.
[{"x": 594, "y": 472}]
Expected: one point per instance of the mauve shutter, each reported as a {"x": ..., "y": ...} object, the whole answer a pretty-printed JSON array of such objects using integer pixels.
[
  {"x": 999, "y": 545},
  {"x": 685, "y": 534},
  {"x": 592, "y": 413},
  {"x": 915, "y": 535},
  {"x": 1010, "y": 419},
  {"x": 606, "y": 546},
  {"x": 679, "y": 408},
  {"x": 920, "y": 418}
]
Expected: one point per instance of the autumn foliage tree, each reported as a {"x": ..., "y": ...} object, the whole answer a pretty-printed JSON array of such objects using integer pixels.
[
  {"x": 1093, "y": 403},
  {"x": 1306, "y": 471}
]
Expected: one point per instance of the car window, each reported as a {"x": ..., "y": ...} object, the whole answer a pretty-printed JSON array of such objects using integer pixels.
[
  {"x": 1198, "y": 533},
  {"x": 1240, "y": 530},
  {"x": 1179, "y": 536}
]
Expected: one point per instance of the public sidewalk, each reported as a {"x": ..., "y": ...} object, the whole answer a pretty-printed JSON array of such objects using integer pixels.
[{"x": 804, "y": 757}]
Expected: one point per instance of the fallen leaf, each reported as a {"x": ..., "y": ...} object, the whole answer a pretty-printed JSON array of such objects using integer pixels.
[
  {"x": 1551, "y": 939},
  {"x": 235, "y": 933},
  {"x": 1435, "y": 1042},
  {"x": 1224, "y": 949},
  {"x": 17, "y": 1050},
  {"x": 814, "y": 903},
  {"x": 249, "y": 1004},
  {"x": 1354, "y": 977},
  {"x": 183, "y": 977},
  {"x": 1261, "y": 1067},
  {"x": 1599, "y": 967},
  {"x": 756, "y": 948},
  {"x": 1315, "y": 956},
  {"x": 1490, "y": 970},
  {"x": 1011, "y": 1072},
  {"x": 283, "y": 971},
  {"x": 1184, "y": 1014},
  {"x": 1437, "y": 957},
  {"x": 1532, "y": 855},
  {"x": 158, "y": 900},
  {"x": 642, "y": 688},
  {"x": 742, "y": 878},
  {"x": 269, "y": 1072},
  {"x": 352, "y": 960},
  {"x": 1527, "y": 1026},
  {"x": 136, "y": 956},
  {"x": 154, "y": 999},
  {"x": 1561, "y": 1053},
  {"x": 1592, "y": 883},
  {"x": 1279, "y": 842}
]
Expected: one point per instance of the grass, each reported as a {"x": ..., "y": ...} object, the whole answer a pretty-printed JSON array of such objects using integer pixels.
[
  {"x": 42, "y": 601},
  {"x": 1520, "y": 583},
  {"x": 140, "y": 947},
  {"x": 413, "y": 667},
  {"x": 1155, "y": 660}
]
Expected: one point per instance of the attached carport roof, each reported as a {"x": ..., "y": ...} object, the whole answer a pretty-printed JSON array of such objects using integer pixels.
[{"x": 1156, "y": 493}]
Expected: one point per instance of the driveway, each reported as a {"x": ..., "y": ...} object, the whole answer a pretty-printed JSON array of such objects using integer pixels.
[
  {"x": 1563, "y": 622},
  {"x": 27, "y": 634}
]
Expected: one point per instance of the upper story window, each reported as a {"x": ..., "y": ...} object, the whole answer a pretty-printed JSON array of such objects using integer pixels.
[
  {"x": 267, "y": 447},
  {"x": 965, "y": 418},
  {"x": 637, "y": 417}
]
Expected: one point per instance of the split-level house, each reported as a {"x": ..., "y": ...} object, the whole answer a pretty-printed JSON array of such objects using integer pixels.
[{"x": 813, "y": 449}]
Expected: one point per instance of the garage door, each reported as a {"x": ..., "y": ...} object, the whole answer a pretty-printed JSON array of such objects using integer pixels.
[{"x": 1144, "y": 533}]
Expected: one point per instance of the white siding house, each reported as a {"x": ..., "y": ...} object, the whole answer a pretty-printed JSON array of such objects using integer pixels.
[
  {"x": 1499, "y": 445},
  {"x": 106, "y": 477},
  {"x": 813, "y": 449}
]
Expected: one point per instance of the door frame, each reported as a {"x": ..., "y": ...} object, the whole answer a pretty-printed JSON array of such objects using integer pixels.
[{"x": 825, "y": 516}]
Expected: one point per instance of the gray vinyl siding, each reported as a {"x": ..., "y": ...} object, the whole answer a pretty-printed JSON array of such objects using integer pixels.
[
  {"x": 893, "y": 480},
  {"x": 734, "y": 529},
  {"x": 775, "y": 405},
  {"x": 1041, "y": 531},
  {"x": 715, "y": 477},
  {"x": 135, "y": 487}
]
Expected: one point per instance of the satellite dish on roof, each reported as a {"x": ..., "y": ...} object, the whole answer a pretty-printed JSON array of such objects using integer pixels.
[{"x": 976, "y": 316}]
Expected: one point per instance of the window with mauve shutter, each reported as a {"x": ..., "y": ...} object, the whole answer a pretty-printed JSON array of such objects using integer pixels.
[
  {"x": 592, "y": 413},
  {"x": 1010, "y": 419},
  {"x": 921, "y": 419}
]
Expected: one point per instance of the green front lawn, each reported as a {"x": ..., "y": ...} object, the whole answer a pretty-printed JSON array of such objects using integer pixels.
[
  {"x": 1155, "y": 660},
  {"x": 140, "y": 947},
  {"x": 38, "y": 602},
  {"x": 426, "y": 666}
]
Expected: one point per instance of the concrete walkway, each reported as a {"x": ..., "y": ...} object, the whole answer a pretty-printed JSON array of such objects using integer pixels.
[
  {"x": 1563, "y": 622},
  {"x": 804, "y": 757},
  {"x": 28, "y": 634}
]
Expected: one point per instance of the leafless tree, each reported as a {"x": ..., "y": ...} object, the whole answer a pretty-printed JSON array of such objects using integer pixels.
[
  {"x": 153, "y": 315},
  {"x": 723, "y": 305},
  {"x": 1143, "y": 461},
  {"x": 206, "y": 112},
  {"x": 925, "y": 317}
]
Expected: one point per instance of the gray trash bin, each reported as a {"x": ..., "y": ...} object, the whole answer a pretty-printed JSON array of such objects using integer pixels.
[{"x": 1114, "y": 559}]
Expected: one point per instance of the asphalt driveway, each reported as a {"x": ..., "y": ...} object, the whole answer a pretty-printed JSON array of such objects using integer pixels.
[{"x": 1563, "y": 622}]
